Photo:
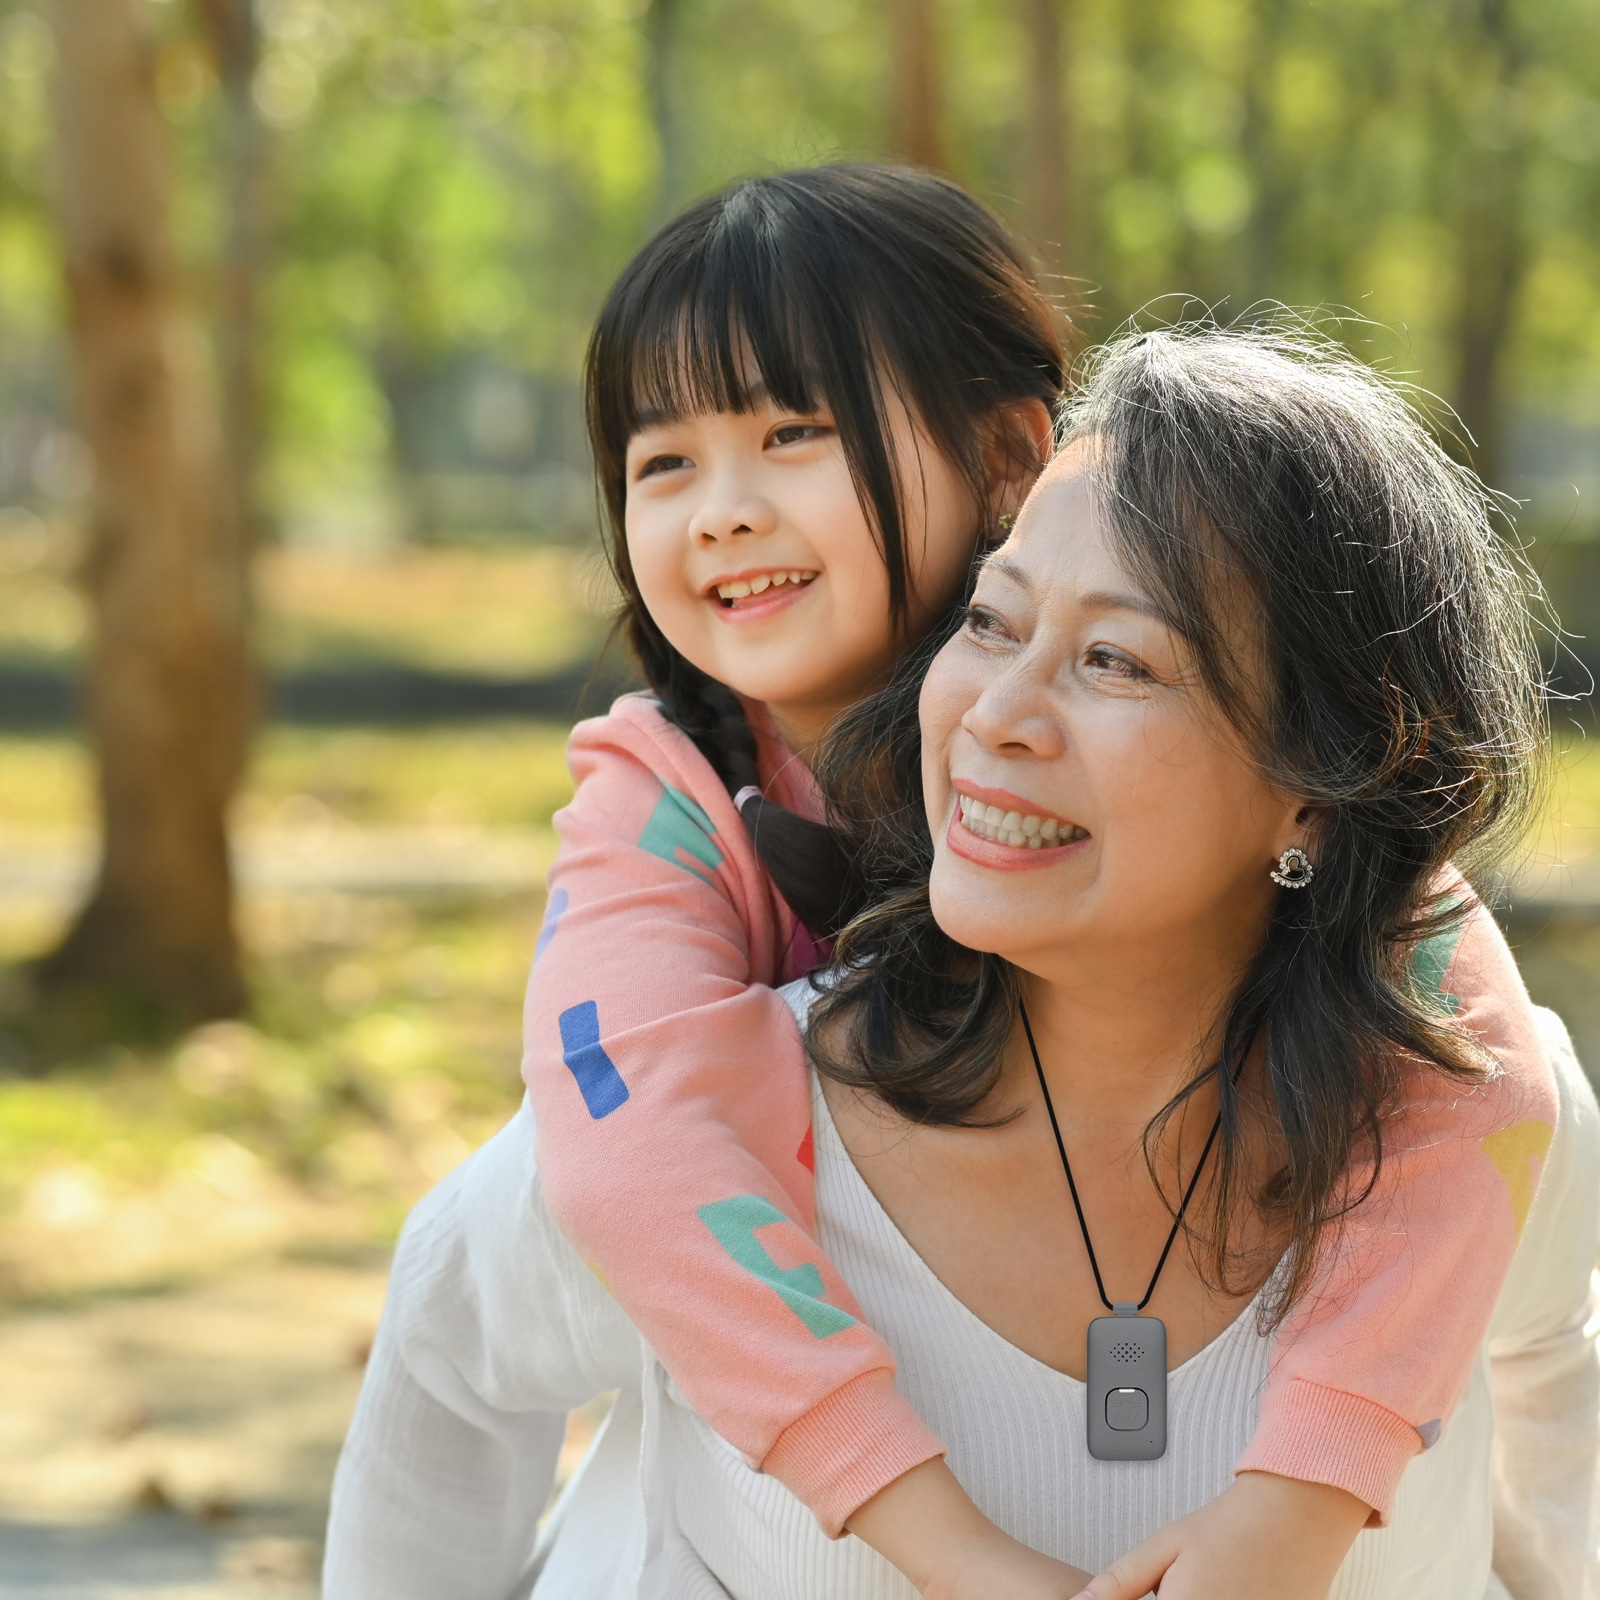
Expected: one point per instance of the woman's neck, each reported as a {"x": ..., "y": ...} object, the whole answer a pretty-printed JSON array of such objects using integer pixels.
[{"x": 1119, "y": 1034}]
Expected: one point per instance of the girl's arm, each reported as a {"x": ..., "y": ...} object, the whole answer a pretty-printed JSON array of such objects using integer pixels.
[
  {"x": 491, "y": 1332},
  {"x": 674, "y": 1114},
  {"x": 1368, "y": 1371},
  {"x": 1453, "y": 1203}
]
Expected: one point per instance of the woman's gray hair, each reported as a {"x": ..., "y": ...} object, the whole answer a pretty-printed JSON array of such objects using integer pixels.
[{"x": 1394, "y": 682}]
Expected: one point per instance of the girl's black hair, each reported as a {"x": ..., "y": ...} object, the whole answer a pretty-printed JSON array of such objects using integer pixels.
[
  {"x": 1270, "y": 472},
  {"x": 842, "y": 286}
]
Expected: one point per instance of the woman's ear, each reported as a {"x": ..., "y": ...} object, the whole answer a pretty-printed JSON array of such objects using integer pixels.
[
  {"x": 1300, "y": 828},
  {"x": 1021, "y": 441}
]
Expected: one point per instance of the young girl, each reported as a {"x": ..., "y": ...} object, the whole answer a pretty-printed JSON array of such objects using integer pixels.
[{"x": 813, "y": 398}]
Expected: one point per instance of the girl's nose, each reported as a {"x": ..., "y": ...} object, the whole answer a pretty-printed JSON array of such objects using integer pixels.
[
  {"x": 1015, "y": 715},
  {"x": 729, "y": 511}
]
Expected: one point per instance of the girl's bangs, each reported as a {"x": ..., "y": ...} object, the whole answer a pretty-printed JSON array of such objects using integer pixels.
[{"x": 715, "y": 336}]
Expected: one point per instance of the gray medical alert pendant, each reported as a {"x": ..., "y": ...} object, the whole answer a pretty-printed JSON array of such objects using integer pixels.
[{"x": 1127, "y": 1386}]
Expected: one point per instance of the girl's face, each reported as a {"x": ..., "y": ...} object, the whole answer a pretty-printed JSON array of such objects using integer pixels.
[
  {"x": 756, "y": 560},
  {"x": 1066, "y": 709}
]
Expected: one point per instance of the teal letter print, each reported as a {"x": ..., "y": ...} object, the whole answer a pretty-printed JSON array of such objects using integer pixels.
[
  {"x": 678, "y": 828},
  {"x": 1431, "y": 960},
  {"x": 734, "y": 1222}
]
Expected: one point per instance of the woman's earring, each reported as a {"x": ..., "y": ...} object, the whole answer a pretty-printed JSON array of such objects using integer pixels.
[
  {"x": 1005, "y": 519},
  {"x": 1294, "y": 869}
]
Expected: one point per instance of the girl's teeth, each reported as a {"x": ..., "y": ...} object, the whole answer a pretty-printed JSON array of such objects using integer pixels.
[
  {"x": 740, "y": 587},
  {"x": 1048, "y": 830}
]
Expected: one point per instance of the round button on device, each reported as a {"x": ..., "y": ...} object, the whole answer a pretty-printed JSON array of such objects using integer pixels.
[{"x": 1127, "y": 1410}]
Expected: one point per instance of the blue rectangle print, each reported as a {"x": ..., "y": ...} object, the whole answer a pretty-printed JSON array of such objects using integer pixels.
[{"x": 599, "y": 1082}]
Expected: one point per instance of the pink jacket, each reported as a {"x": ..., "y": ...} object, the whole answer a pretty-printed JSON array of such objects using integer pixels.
[{"x": 673, "y": 1107}]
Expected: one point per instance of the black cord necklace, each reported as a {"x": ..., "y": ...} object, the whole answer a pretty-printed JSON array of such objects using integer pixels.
[{"x": 1127, "y": 1358}]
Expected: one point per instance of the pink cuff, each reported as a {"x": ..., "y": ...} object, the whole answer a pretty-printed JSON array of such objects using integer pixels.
[
  {"x": 851, "y": 1445},
  {"x": 1327, "y": 1436}
]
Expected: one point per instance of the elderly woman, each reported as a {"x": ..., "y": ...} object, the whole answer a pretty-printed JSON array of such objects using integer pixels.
[{"x": 1158, "y": 1006}]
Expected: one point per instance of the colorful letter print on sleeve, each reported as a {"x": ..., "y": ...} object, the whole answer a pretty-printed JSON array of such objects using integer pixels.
[
  {"x": 599, "y": 1082},
  {"x": 733, "y": 1223},
  {"x": 679, "y": 828}
]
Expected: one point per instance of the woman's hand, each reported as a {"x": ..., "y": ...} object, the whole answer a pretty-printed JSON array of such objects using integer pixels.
[
  {"x": 926, "y": 1524},
  {"x": 1265, "y": 1538}
]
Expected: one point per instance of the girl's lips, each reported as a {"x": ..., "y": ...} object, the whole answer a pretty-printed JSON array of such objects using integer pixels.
[
  {"x": 759, "y": 607},
  {"x": 1004, "y": 857}
]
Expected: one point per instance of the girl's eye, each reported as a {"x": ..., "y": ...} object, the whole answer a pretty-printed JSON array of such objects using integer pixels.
[
  {"x": 1105, "y": 658},
  {"x": 658, "y": 464},
  {"x": 797, "y": 432}
]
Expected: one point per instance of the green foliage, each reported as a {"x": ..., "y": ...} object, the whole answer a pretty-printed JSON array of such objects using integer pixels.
[{"x": 459, "y": 180}]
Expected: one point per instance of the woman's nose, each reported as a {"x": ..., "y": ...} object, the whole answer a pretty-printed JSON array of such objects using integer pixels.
[{"x": 1016, "y": 715}]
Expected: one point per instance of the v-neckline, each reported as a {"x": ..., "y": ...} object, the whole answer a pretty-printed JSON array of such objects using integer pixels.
[{"x": 830, "y": 1148}]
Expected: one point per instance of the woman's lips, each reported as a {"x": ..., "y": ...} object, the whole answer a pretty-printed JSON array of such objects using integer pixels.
[{"x": 1006, "y": 857}]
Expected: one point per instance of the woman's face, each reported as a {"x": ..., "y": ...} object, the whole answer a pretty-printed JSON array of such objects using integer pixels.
[{"x": 1067, "y": 711}]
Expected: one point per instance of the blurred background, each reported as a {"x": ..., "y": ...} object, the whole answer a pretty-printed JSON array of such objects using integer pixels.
[{"x": 299, "y": 584}]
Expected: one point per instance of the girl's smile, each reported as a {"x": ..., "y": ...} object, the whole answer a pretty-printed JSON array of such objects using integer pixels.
[{"x": 756, "y": 595}]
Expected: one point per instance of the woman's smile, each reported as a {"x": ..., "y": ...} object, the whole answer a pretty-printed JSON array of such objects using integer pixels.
[
  {"x": 996, "y": 828},
  {"x": 1008, "y": 819},
  {"x": 987, "y": 851}
]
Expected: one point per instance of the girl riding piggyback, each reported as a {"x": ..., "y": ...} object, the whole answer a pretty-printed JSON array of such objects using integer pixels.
[{"x": 815, "y": 400}]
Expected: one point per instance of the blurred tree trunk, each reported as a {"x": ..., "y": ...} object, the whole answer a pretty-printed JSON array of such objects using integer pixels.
[
  {"x": 1047, "y": 154},
  {"x": 662, "y": 22},
  {"x": 1491, "y": 144},
  {"x": 234, "y": 39},
  {"x": 918, "y": 114},
  {"x": 1259, "y": 147},
  {"x": 169, "y": 689}
]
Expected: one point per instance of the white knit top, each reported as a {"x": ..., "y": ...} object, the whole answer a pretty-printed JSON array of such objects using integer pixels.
[
  {"x": 1015, "y": 1429},
  {"x": 495, "y": 1329}
]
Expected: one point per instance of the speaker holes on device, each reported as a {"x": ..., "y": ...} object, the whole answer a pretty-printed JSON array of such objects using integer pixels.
[{"x": 1126, "y": 1352}]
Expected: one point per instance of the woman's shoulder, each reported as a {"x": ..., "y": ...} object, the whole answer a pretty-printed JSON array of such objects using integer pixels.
[{"x": 800, "y": 996}]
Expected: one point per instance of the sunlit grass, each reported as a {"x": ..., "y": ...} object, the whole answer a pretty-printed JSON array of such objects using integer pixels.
[
  {"x": 514, "y": 610},
  {"x": 486, "y": 775},
  {"x": 492, "y": 775},
  {"x": 517, "y": 611},
  {"x": 383, "y": 1046}
]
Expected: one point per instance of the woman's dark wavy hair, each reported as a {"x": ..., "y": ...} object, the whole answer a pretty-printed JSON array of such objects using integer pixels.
[
  {"x": 1269, "y": 474},
  {"x": 842, "y": 286}
]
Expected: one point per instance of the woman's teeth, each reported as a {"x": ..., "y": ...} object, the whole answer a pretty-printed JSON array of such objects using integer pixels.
[
  {"x": 742, "y": 587},
  {"x": 1013, "y": 828}
]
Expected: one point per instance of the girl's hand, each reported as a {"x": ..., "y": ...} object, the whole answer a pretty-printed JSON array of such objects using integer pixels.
[
  {"x": 1265, "y": 1538},
  {"x": 999, "y": 1568},
  {"x": 926, "y": 1524}
]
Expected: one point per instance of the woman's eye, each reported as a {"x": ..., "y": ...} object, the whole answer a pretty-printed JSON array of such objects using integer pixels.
[
  {"x": 659, "y": 464},
  {"x": 980, "y": 622},
  {"x": 1104, "y": 658}
]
